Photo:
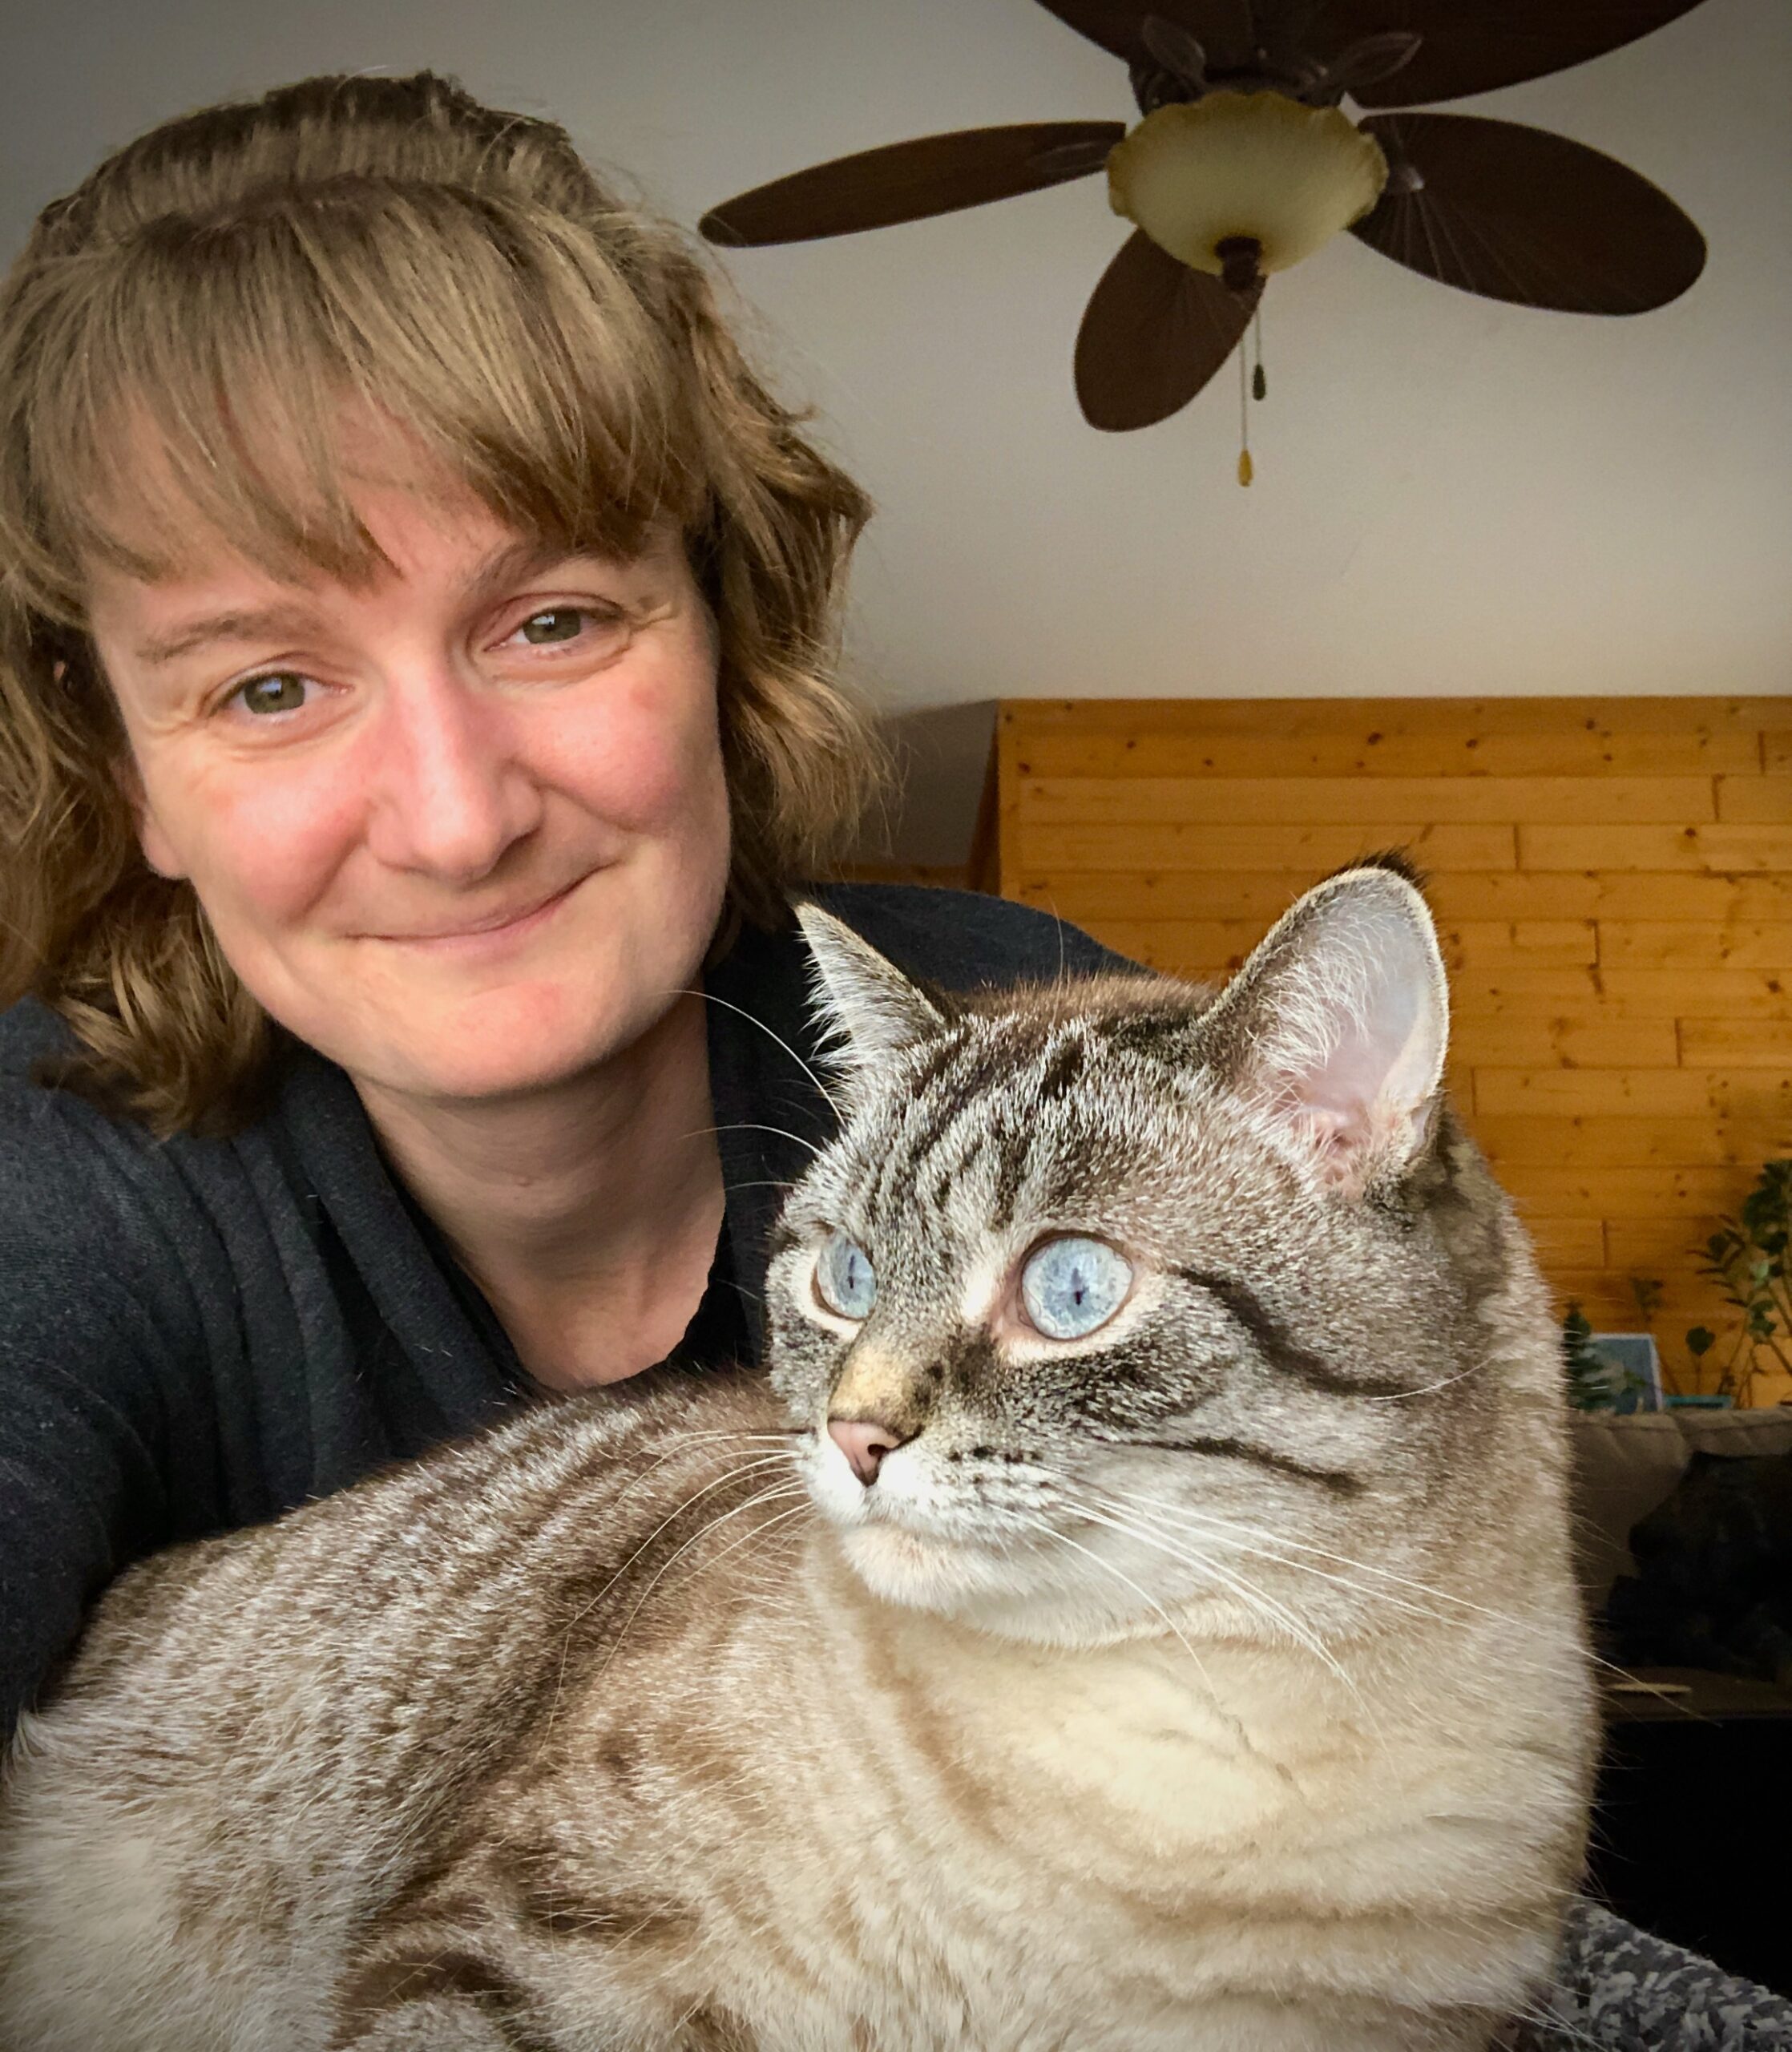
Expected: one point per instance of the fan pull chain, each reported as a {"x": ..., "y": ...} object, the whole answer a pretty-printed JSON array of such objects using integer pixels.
[{"x": 1253, "y": 384}]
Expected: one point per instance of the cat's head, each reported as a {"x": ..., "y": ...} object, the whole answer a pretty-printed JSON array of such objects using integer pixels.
[{"x": 1115, "y": 1302}]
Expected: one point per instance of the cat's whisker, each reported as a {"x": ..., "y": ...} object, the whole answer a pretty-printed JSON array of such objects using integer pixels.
[
  {"x": 1170, "y": 1624},
  {"x": 753, "y": 1126},
  {"x": 1268, "y": 1546},
  {"x": 1276, "y": 1546},
  {"x": 1267, "y": 1549},
  {"x": 735, "y": 1475},
  {"x": 709, "y": 997},
  {"x": 1427, "y": 1389},
  {"x": 1252, "y": 1598},
  {"x": 681, "y": 1443},
  {"x": 1233, "y": 1723},
  {"x": 778, "y": 1492}
]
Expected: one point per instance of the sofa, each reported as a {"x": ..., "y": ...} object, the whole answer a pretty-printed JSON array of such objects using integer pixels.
[{"x": 1625, "y": 1465}]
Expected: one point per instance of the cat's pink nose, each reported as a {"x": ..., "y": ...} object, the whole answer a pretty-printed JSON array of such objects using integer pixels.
[{"x": 864, "y": 1443}]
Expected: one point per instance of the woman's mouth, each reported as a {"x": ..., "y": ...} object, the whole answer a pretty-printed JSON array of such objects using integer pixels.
[{"x": 490, "y": 933}]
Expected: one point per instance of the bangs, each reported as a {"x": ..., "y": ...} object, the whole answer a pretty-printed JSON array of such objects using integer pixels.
[{"x": 231, "y": 383}]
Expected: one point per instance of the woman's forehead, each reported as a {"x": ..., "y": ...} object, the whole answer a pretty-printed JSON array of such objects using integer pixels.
[{"x": 387, "y": 510}]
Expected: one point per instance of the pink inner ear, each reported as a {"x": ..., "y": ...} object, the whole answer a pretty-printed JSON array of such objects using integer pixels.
[{"x": 1364, "y": 1094}]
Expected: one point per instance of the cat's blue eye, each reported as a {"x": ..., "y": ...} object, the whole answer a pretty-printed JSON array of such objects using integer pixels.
[
  {"x": 1070, "y": 1286},
  {"x": 844, "y": 1280}
]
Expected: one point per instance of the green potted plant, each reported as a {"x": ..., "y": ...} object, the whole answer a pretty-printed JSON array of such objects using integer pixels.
[
  {"x": 1746, "y": 1258},
  {"x": 1597, "y": 1380}
]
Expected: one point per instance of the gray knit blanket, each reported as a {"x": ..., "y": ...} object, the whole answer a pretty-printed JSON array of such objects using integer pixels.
[{"x": 1620, "y": 1991}]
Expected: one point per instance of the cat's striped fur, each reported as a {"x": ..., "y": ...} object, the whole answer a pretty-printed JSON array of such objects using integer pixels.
[{"x": 1214, "y": 1683}]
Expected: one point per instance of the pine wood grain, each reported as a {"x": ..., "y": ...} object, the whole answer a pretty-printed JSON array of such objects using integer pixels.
[
  {"x": 1720, "y": 850},
  {"x": 1613, "y": 884},
  {"x": 1450, "y": 717},
  {"x": 1082, "y": 800},
  {"x": 1379, "y": 753},
  {"x": 1735, "y": 1043},
  {"x": 1546, "y": 1140},
  {"x": 1696, "y": 944},
  {"x": 1212, "y": 848},
  {"x": 1758, "y": 1096},
  {"x": 1761, "y": 801}
]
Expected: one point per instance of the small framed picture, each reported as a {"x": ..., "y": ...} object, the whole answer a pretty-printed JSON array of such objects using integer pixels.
[{"x": 1636, "y": 1367}]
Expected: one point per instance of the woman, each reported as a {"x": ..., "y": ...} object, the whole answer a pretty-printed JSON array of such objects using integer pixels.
[{"x": 414, "y": 703}]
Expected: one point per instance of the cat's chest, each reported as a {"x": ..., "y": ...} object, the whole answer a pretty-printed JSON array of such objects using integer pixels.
[{"x": 1155, "y": 1762}]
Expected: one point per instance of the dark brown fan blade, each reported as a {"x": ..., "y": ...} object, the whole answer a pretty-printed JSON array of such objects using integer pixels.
[
  {"x": 1519, "y": 214},
  {"x": 1152, "y": 334},
  {"x": 1223, "y": 28},
  {"x": 909, "y": 181},
  {"x": 1474, "y": 46}
]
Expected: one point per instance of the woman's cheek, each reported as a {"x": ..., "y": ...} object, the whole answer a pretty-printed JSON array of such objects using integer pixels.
[
  {"x": 275, "y": 840},
  {"x": 651, "y": 756}
]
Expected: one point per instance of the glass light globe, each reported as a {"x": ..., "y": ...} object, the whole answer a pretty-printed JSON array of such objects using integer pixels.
[{"x": 1242, "y": 169}]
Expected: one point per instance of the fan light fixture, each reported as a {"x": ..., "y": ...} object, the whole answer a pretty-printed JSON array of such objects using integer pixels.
[
  {"x": 1240, "y": 185},
  {"x": 1244, "y": 162}
]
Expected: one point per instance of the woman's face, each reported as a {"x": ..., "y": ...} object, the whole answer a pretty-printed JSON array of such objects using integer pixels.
[{"x": 463, "y": 829}]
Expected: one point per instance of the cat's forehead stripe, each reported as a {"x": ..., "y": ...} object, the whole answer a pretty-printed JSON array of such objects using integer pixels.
[{"x": 1278, "y": 1346}]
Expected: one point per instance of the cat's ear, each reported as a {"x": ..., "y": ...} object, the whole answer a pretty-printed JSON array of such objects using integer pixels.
[
  {"x": 868, "y": 1009},
  {"x": 1338, "y": 1024}
]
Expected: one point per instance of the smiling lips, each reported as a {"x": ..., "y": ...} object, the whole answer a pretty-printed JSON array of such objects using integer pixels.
[{"x": 498, "y": 927}]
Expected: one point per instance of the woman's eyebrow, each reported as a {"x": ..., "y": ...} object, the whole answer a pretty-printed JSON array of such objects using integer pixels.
[
  {"x": 503, "y": 566},
  {"x": 243, "y": 624}
]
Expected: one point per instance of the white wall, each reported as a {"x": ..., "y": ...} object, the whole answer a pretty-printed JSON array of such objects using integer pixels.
[{"x": 1451, "y": 496}]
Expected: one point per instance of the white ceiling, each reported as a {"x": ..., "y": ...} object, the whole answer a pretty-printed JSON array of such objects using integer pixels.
[{"x": 1452, "y": 497}]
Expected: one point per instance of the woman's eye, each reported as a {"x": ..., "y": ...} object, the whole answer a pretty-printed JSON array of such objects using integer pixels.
[
  {"x": 553, "y": 623},
  {"x": 844, "y": 1280},
  {"x": 593, "y": 627},
  {"x": 282, "y": 692},
  {"x": 1070, "y": 1286}
]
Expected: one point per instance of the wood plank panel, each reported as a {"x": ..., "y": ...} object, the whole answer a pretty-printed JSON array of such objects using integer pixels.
[
  {"x": 1543, "y": 1141},
  {"x": 1180, "y": 947},
  {"x": 1147, "y": 893},
  {"x": 1711, "y": 994},
  {"x": 1519, "y": 943},
  {"x": 1759, "y": 1097},
  {"x": 1214, "y": 848},
  {"x": 1716, "y": 849},
  {"x": 1568, "y": 1243},
  {"x": 1606, "y": 1296},
  {"x": 1751, "y": 994},
  {"x": 1620, "y": 950},
  {"x": 1735, "y": 1043},
  {"x": 1683, "y": 753},
  {"x": 1531, "y": 1042},
  {"x": 1646, "y": 1246},
  {"x": 1296, "y": 717},
  {"x": 1755, "y": 801},
  {"x": 1584, "y": 1193},
  {"x": 1367, "y": 801},
  {"x": 1595, "y": 895},
  {"x": 1696, "y": 944},
  {"x": 1202, "y": 946}
]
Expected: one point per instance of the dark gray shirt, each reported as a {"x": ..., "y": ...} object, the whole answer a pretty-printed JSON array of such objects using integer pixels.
[{"x": 197, "y": 1335}]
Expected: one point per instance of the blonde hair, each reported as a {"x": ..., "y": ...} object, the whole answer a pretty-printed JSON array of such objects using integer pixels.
[{"x": 177, "y": 344}]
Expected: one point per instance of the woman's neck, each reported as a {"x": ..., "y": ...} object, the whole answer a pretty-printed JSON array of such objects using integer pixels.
[{"x": 588, "y": 1213}]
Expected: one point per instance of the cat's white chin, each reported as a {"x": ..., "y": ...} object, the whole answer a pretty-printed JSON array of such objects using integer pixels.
[
  {"x": 1012, "y": 1593},
  {"x": 922, "y": 1571}
]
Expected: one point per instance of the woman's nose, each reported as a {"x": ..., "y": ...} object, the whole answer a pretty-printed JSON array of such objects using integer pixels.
[{"x": 451, "y": 790}]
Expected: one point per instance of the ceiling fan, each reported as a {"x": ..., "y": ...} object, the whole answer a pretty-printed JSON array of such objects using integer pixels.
[{"x": 1243, "y": 160}]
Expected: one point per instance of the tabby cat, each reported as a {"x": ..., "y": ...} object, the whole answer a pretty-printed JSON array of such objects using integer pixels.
[{"x": 1136, "y": 1615}]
